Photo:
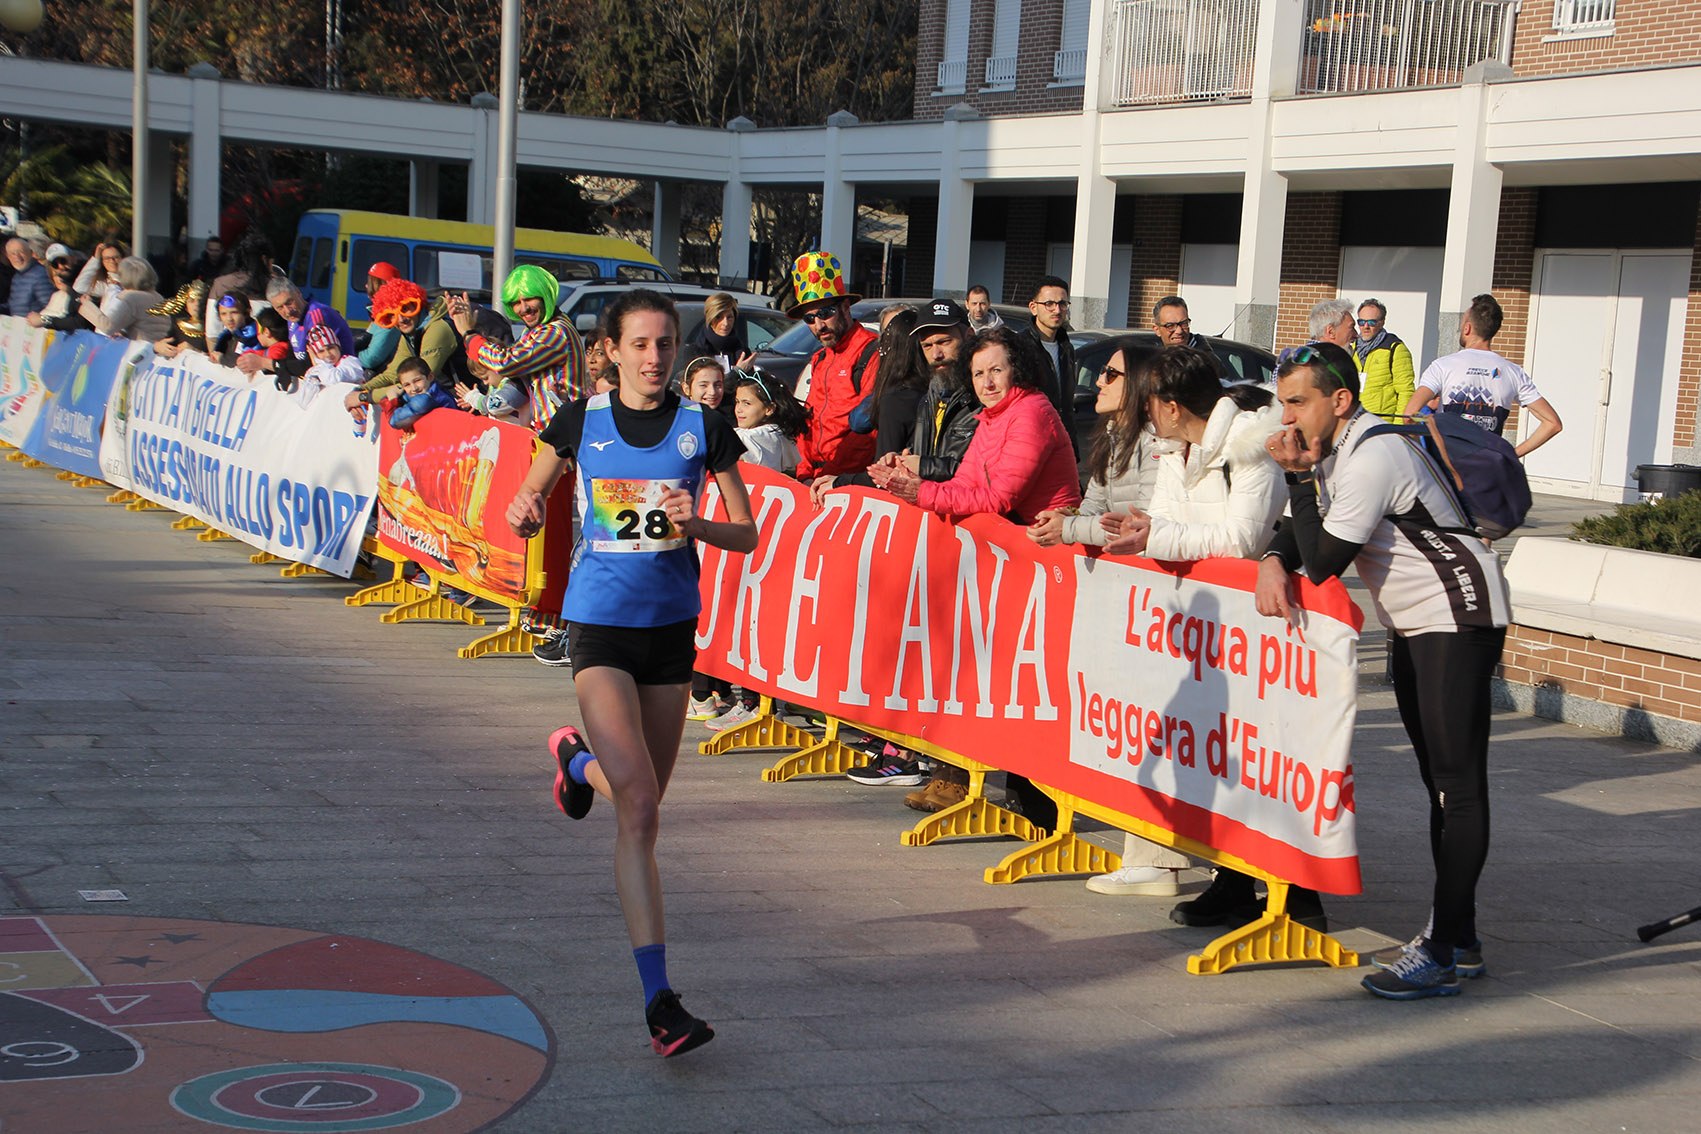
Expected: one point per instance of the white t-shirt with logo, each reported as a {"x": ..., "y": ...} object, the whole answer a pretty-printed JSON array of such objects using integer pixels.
[
  {"x": 1426, "y": 571},
  {"x": 1480, "y": 385}
]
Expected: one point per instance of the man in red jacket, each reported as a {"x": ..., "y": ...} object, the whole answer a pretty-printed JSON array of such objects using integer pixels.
[{"x": 841, "y": 373}]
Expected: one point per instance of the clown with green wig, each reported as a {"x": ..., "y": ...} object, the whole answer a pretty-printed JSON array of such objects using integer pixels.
[{"x": 547, "y": 361}]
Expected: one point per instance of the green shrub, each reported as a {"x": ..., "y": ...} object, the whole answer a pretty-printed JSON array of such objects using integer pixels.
[{"x": 1671, "y": 526}]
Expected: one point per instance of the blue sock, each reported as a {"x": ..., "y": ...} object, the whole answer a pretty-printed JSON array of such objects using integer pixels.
[
  {"x": 652, "y": 969},
  {"x": 576, "y": 766}
]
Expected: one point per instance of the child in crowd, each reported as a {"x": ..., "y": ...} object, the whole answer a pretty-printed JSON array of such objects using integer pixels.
[
  {"x": 769, "y": 418},
  {"x": 241, "y": 334},
  {"x": 419, "y": 395},
  {"x": 273, "y": 337},
  {"x": 330, "y": 366},
  {"x": 704, "y": 382}
]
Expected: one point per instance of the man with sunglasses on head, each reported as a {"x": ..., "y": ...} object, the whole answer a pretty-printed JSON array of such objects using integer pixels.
[
  {"x": 1050, "y": 333},
  {"x": 1382, "y": 503},
  {"x": 1386, "y": 372},
  {"x": 840, "y": 373}
]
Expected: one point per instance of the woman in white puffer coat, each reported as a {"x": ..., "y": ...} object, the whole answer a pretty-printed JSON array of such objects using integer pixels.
[{"x": 1217, "y": 495}]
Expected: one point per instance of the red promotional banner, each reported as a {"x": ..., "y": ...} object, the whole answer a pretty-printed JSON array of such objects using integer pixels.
[
  {"x": 443, "y": 491},
  {"x": 1152, "y": 689}
]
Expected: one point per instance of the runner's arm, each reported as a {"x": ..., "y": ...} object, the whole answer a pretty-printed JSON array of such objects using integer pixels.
[
  {"x": 530, "y": 506},
  {"x": 1547, "y": 428}
]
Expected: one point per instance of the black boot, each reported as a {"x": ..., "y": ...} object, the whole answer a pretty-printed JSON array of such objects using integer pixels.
[{"x": 1228, "y": 901}]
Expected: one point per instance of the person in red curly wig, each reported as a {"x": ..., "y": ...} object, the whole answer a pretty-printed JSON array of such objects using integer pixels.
[{"x": 426, "y": 332}]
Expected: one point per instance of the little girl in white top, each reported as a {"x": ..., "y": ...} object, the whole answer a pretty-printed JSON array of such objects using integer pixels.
[{"x": 769, "y": 419}]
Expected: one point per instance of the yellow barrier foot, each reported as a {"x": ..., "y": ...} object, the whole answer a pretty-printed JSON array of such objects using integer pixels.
[
  {"x": 31, "y": 463},
  {"x": 264, "y": 557},
  {"x": 212, "y": 535},
  {"x": 508, "y": 641},
  {"x": 122, "y": 496},
  {"x": 89, "y": 482},
  {"x": 823, "y": 757},
  {"x": 17, "y": 455},
  {"x": 1062, "y": 852},
  {"x": 65, "y": 474},
  {"x": 142, "y": 504},
  {"x": 974, "y": 816},
  {"x": 186, "y": 524},
  {"x": 298, "y": 570},
  {"x": 431, "y": 607},
  {"x": 395, "y": 590},
  {"x": 1274, "y": 938}
]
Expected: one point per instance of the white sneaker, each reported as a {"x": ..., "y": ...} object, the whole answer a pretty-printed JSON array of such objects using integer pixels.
[
  {"x": 1145, "y": 881},
  {"x": 707, "y": 709},
  {"x": 732, "y": 718}
]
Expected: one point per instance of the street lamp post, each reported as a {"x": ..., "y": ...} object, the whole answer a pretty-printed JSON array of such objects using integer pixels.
[
  {"x": 508, "y": 119},
  {"x": 139, "y": 131}
]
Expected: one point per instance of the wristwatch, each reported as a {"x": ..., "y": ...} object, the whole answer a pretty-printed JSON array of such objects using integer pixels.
[
  {"x": 1306, "y": 477},
  {"x": 366, "y": 397}
]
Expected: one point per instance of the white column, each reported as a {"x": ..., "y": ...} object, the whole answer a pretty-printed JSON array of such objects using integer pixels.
[
  {"x": 1095, "y": 194},
  {"x": 1473, "y": 210},
  {"x": 206, "y": 149},
  {"x": 481, "y": 174},
  {"x": 422, "y": 188},
  {"x": 736, "y": 205},
  {"x": 956, "y": 208},
  {"x": 664, "y": 225},
  {"x": 1264, "y": 203},
  {"x": 838, "y": 196}
]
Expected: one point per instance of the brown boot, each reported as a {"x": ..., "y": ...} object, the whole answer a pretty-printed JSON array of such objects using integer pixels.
[
  {"x": 948, "y": 795},
  {"x": 922, "y": 798}
]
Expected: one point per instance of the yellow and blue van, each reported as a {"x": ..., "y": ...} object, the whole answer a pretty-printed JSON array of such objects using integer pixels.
[{"x": 335, "y": 247}]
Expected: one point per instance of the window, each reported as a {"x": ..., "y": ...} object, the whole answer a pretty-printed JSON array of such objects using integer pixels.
[
  {"x": 638, "y": 272},
  {"x": 302, "y": 261},
  {"x": 1070, "y": 63},
  {"x": 323, "y": 265},
  {"x": 954, "y": 67},
  {"x": 456, "y": 269},
  {"x": 1006, "y": 27},
  {"x": 561, "y": 269},
  {"x": 1582, "y": 19},
  {"x": 366, "y": 253}
]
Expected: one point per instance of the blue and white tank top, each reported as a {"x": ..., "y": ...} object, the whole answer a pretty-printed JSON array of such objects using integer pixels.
[{"x": 631, "y": 566}]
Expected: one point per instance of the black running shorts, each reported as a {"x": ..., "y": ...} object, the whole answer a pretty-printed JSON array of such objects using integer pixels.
[{"x": 653, "y": 655}]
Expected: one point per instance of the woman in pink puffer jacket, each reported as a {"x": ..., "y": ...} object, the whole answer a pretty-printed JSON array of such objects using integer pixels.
[{"x": 1019, "y": 463}]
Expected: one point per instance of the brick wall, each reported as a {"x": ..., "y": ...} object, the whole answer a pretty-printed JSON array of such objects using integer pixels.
[
  {"x": 1646, "y": 33},
  {"x": 1155, "y": 270},
  {"x": 1042, "y": 25},
  {"x": 1311, "y": 262},
  {"x": 1633, "y": 678},
  {"x": 1024, "y": 246},
  {"x": 1513, "y": 277},
  {"x": 918, "y": 253},
  {"x": 1689, "y": 367}
]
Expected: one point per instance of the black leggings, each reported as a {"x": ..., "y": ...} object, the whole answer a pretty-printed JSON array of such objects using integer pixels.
[{"x": 1441, "y": 682}]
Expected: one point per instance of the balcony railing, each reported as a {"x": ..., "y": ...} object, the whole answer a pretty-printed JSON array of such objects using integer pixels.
[
  {"x": 1069, "y": 66},
  {"x": 1001, "y": 72},
  {"x": 1377, "y": 45},
  {"x": 953, "y": 74},
  {"x": 1583, "y": 17},
  {"x": 1182, "y": 50}
]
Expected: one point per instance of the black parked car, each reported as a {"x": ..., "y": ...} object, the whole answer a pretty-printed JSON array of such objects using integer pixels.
[{"x": 1241, "y": 363}]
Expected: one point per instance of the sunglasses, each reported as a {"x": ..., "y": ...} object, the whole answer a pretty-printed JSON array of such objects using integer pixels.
[
  {"x": 1112, "y": 374},
  {"x": 813, "y": 317},
  {"x": 1308, "y": 356},
  {"x": 391, "y": 317},
  {"x": 1369, "y": 322}
]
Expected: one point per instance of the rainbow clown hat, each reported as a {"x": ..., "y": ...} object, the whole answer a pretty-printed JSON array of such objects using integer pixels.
[{"x": 816, "y": 277}]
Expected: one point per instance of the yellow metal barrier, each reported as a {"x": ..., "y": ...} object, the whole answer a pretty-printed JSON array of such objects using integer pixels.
[
  {"x": 122, "y": 496},
  {"x": 766, "y": 730},
  {"x": 186, "y": 524}
]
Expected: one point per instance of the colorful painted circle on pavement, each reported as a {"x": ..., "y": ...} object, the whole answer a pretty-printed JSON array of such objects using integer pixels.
[{"x": 144, "y": 1024}]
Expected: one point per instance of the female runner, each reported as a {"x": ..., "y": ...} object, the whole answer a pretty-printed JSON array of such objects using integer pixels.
[{"x": 631, "y": 608}]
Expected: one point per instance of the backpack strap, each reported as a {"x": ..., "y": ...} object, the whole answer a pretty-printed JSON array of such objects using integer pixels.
[{"x": 861, "y": 363}]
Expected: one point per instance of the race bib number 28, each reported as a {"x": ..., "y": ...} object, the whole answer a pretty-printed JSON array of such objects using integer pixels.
[{"x": 627, "y": 516}]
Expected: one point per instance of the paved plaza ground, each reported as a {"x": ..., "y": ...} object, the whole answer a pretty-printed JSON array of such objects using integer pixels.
[{"x": 227, "y": 746}]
